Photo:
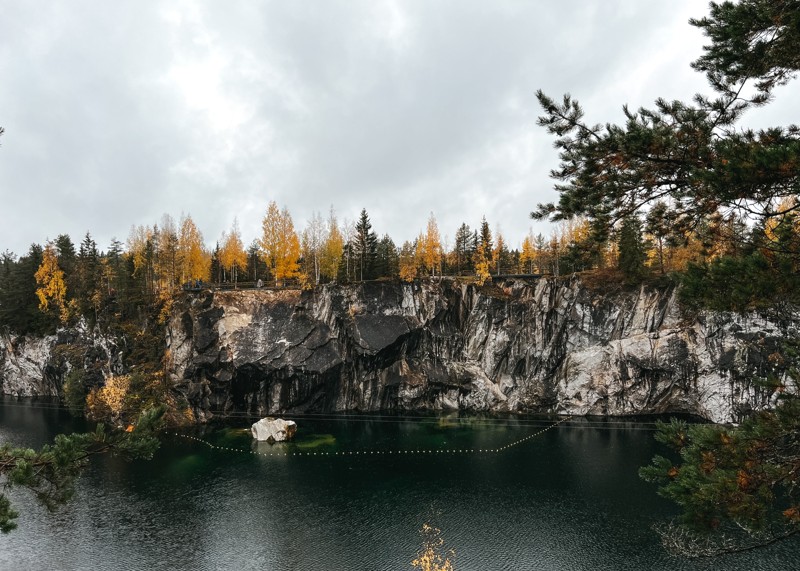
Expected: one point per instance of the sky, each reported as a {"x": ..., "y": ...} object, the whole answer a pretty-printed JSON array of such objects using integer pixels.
[{"x": 118, "y": 112}]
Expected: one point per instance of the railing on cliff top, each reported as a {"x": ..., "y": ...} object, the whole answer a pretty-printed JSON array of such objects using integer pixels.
[{"x": 295, "y": 284}]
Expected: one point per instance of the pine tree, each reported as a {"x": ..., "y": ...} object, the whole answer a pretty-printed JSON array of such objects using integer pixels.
[
  {"x": 51, "y": 472},
  {"x": 738, "y": 487},
  {"x": 728, "y": 480},
  {"x": 694, "y": 154}
]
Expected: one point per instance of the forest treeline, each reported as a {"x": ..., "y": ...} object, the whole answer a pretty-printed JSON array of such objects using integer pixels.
[{"x": 724, "y": 261}]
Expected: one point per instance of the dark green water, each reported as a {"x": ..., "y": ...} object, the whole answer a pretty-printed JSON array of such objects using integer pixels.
[{"x": 568, "y": 499}]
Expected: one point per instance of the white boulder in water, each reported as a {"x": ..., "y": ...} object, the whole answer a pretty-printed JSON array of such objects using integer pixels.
[{"x": 274, "y": 430}]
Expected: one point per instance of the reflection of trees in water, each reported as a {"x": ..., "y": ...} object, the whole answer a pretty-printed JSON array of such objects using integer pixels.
[{"x": 433, "y": 556}]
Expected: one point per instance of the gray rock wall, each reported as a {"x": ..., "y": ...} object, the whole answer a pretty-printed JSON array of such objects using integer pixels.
[
  {"x": 548, "y": 345},
  {"x": 37, "y": 366},
  {"x": 25, "y": 366}
]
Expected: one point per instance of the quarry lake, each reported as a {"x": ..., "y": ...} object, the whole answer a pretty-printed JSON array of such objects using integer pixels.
[{"x": 568, "y": 498}]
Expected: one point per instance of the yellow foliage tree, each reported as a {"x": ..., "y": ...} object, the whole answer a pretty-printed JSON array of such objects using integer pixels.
[
  {"x": 53, "y": 288},
  {"x": 332, "y": 248},
  {"x": 140, "y": 252},
  {"x": 167, "y": 254},
  {"x": 108, "y": 401},
  {"x": 482, "y": 262},
  {"x": 195, "y": 261},
  {"x": 788, "y": 204},
  {"x": 679, "y": 257},
  {"x": 527, "y": 256},
  {"x": 499, "y": 251},
  {"x": 232, "y": 255},
  {"x": 430, "y": 247},
  {"x": 280, "y": 246},
  {"x": 408, "y": 262}
]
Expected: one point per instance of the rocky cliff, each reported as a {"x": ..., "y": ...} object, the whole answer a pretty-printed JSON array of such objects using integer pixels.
[
  {"x": 37, "y": 366},
  {"x": 547, "y": 345}
]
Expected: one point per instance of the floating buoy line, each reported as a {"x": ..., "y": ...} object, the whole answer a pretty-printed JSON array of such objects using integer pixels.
[{"x": 396, "y": 452}]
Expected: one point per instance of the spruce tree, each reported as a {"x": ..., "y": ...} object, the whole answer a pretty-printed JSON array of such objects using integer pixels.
[
  {"x": 87, "y": 278},
  {"x": 364, "y": 247},
  {"x": 485, "y": 237}
]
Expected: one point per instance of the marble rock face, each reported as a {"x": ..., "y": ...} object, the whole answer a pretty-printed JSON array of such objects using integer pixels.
[
  {"x": 274, "y": 430},
  {"x": 547, "y": 345}
]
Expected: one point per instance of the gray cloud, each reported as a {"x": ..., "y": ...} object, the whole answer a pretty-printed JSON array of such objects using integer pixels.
[{"x": 118, "y": 112}]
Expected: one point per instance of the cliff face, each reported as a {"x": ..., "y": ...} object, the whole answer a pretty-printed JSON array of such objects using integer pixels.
[
  {"x": 548, "y": 345},
  {"x": 37, "y": 366},
  {"x": 25, "y": 368}
]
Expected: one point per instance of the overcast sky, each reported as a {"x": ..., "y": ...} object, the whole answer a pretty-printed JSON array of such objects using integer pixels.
[{"x": 118, "y": 112}]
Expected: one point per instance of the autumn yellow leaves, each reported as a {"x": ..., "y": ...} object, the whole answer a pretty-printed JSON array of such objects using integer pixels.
[
  {"x": 161, "y": 259},
  {"x": 280, "y": 245},
  {"x": 423, "y": 255}
]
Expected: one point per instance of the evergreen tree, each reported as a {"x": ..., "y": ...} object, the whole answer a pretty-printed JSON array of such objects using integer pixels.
[
  {"x": 87, "y": 272},
  {"x": 727, "y": 480},
  {"x": 364, "y": 247},
  {"x": 116, "y": 263},
  {"x": 387, "y": 259},
  {"x": 659, "y": 225},
  {"x": 695, "y": 154},
  {"x": 19, "y": 305},
  {"x": 464, "y": 249},
  {"x": 631, "y": 246},
  {"x": 484, "y": 239},
  {"x": 51, "y": 472},
  {"x": 215, "y": 268},
  {"x": 738, "y": 487}
]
